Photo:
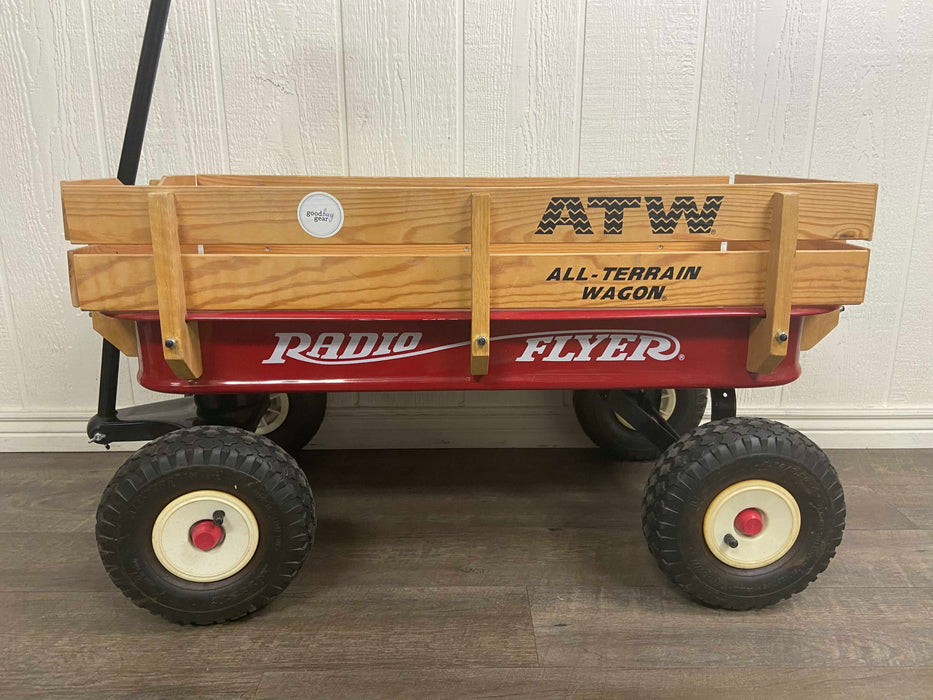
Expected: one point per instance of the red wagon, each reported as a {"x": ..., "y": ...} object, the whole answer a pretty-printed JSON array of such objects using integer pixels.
[{"x": 255, "y": 296}]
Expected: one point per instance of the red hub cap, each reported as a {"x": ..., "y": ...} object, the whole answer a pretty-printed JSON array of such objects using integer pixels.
[
  {"x": 749, "y": 522},
  {"x": 205, "y": 535}
]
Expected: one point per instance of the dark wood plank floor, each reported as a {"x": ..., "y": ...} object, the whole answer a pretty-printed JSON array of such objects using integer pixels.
[{"x": 471, "y": 573}]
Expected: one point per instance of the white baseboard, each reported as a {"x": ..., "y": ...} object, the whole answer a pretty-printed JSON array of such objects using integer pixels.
[{"x": 385, "y": 428}]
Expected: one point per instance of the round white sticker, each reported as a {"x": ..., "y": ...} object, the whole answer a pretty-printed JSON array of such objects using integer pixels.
[{"x": 320, "y": 214}]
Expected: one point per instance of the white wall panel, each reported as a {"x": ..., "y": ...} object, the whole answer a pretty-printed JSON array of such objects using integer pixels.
[
  {"x": 640, "y": 78},
  {"x": 522, "y": 64},
  {"x": 282, "y": 86},
  {"x": 871, "y": 125},
  {"x": 49, "y": 134},
  {"x": 756, "y": 99},
  {"x": 402, "y": 86},
  {"x": 911, "y": 380}
]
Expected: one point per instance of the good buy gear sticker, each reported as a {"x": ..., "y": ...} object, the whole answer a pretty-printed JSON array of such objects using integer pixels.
[{"x": 320, "y": 214}]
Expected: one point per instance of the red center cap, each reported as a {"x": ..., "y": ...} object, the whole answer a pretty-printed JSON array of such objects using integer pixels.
[
  {"x": 749, "y": 522},
  {"x": 205, "y": 535}
]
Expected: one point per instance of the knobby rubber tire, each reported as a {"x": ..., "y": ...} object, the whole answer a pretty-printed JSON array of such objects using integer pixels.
[
  {"x": 248, "y": 466},
  {"x": 601, "y": 425},
  {"x": 306, "y": 412},
  {"x": 710, "y": 458}
]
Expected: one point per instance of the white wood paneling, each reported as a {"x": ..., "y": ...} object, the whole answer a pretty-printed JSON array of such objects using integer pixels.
[
  {"x": 829, "y": 88},
  {"x": 49, "y": 133},
  {"x": 912, "y": 362},
  {"x": 640, "y": 76},
  {"x": 402, "y": 86},
  {"x": 282, "y": 91},
  {"x": 522, "y": 64},
  {"x": 756, "y": 99},
  {"x": 871, "y": 125}
]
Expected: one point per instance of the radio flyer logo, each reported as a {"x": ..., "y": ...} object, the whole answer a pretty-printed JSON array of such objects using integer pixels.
[{"x": 605, "y": 345}]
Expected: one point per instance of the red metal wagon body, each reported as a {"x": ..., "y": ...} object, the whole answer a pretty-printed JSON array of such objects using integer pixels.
[{"x": 403, "y": 351}]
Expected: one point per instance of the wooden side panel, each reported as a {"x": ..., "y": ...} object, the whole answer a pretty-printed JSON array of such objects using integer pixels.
[
  {"x": 724, "y": 279},
  {"x": 269, "y": 215},
  {"x": 217, "y": 215},
  {"x": 281, "y": 281},
  {"x": 518, "y": 279},
  {"x": 832, "y": 210}
]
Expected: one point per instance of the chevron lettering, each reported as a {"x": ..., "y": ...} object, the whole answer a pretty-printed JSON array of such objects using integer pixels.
[
  {"x": 575, "y": 216},
  {"x": 697, "y": 221},
  {"x": 615, "y": 207},
  {"x": 569, "y": 211}
]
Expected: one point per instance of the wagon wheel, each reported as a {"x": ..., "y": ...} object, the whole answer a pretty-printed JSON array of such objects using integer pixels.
[
  {"x": 205, "y": 524},
  {"x": 293, "y": 419},
  {"x": 682, "y": 408},
  {"x": 743, "y": 512}
]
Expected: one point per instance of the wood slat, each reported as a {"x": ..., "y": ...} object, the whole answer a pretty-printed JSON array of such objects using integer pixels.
[
  {"x": 827, "y": 210},
  {"x": 479, "y": 287},
  {"x": 181, "y": 344},
  {"x": 767, "y": 342},
  {"x": 815, "y": 328},
  {"x": 381, "y": 215},
  {"x": 726, "y": 279},
  {"x": 119, "y": 332},
  {"x": 518, "y": 279}
]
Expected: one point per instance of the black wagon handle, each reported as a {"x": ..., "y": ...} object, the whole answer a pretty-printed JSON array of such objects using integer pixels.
[{"x": 126, "y": 173}]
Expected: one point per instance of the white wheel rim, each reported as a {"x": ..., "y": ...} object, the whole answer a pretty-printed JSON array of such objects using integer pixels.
[
  {"x": 665, "y": 407},
  {"x": 174, "y": 549},
  {"x": 781, "y": 524},
  {"x": 274, "y": 416}
]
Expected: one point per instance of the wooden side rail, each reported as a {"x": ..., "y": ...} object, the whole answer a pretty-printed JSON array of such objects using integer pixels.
[
  {"x": 181, "y": 344},
  {"x": 234, "y": 243},
  {"x": 479, "y": 285},
  {"x": 767, "y": 342}
]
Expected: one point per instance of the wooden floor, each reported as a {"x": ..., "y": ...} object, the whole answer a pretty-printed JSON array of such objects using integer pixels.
[{"x": 471, "y": 573}]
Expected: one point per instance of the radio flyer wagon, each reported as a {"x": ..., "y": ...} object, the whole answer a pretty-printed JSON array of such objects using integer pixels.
[{"x": 254, "y": 296}]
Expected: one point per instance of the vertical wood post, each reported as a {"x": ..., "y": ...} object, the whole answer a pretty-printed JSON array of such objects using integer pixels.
[
  {"x": 479, "y": 306},
  {"x": 767, "y": 342},
  {"x": 180, "y": 343}
]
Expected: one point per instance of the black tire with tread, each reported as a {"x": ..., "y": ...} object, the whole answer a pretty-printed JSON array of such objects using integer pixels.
[
  {"x": 249, "y": 466},
  {"x": 704, "y": 462},
  {"x": 602, "y": 426},
  {"x": 306, "y": 412}
]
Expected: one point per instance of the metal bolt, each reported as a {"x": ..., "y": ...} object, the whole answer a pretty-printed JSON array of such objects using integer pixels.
[
  {"x": 782, "y": 336},
  {"x": 730, "y": 540},
  {"x": 481, "y": 340},
  {"x": 218, "y": 517},
  {"x": 170, "y": 343}
]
